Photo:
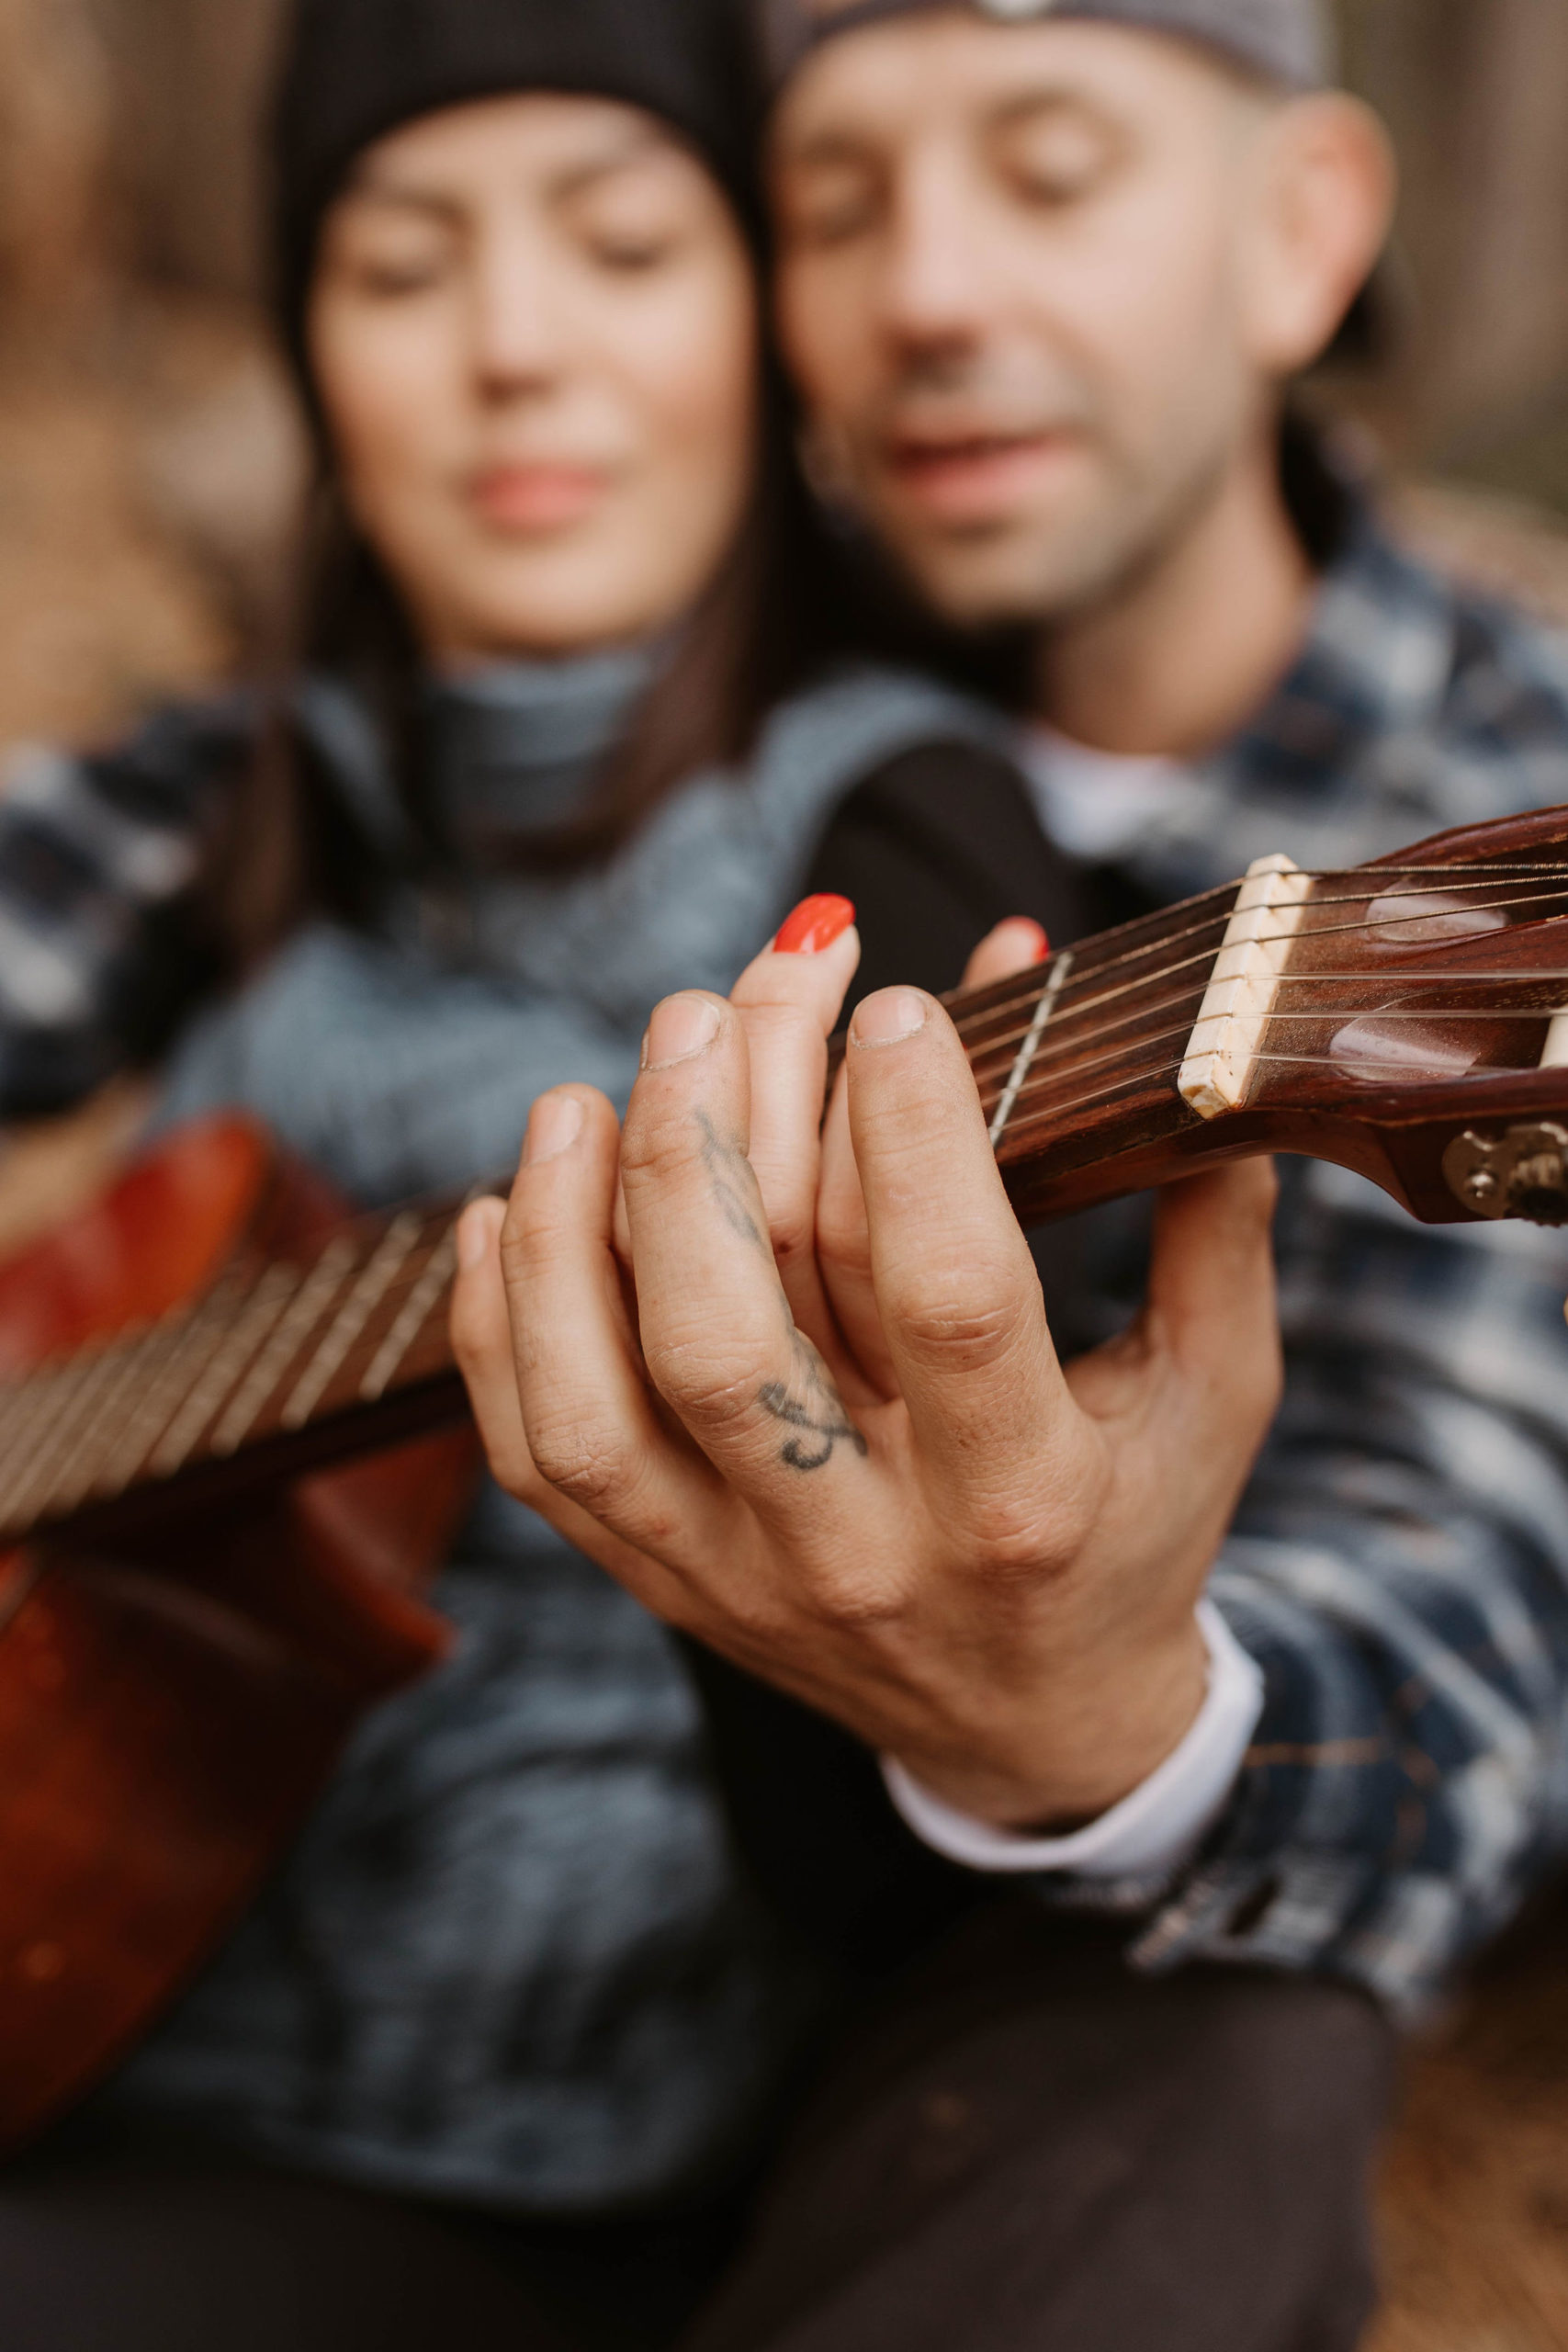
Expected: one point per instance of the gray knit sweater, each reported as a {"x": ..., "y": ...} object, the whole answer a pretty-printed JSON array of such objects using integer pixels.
[{"x": 512, "y": 1959}]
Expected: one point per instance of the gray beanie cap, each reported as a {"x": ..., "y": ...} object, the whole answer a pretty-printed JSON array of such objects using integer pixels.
[{"x": 1288, "y": 41}]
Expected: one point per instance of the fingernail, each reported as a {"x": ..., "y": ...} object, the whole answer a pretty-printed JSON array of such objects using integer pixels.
[
  {"x": 681, "y": 1027},
  {"x": 554, "y": 1127},
  {"x": 1041, "y": 944},
  {"x": 473, "y": 1238},
  {"x": 892, "y": 1014},
  {"x": 814, "y": 926}
]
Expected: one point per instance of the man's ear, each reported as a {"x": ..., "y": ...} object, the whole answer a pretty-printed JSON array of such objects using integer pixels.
[{"x": 1320, "y": 218}]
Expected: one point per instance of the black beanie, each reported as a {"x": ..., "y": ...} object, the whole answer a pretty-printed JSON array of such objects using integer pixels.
[{"x": 355, "y": 70}]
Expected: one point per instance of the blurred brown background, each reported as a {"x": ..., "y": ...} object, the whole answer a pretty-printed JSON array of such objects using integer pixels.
[{"x": 149, "y": 471}]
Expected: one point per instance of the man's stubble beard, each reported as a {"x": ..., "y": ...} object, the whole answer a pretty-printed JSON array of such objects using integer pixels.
[{"x": 1079, "y": 573}]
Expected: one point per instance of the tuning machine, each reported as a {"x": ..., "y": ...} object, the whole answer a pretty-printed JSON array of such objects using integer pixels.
[{"x": 1523, "y": 1173}]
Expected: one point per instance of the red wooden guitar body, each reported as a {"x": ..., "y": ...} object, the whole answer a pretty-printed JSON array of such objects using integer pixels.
[{"x": 170, "y": 1707}]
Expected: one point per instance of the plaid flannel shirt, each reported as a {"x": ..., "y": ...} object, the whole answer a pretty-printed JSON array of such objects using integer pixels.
[{"x": 1399, "y": 1564}]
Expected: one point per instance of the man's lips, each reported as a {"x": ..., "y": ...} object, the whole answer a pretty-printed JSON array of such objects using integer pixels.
[
  {"x": 543, "y": 497},
  {"x": 975, "y": 478}
]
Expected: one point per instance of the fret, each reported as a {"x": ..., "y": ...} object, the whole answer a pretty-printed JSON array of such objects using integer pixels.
[
  {"x": 266, "y": 1302},
  {"x": 425, "y": 1294},
  {"x": 30, "y": 1404},
  {"x": 81, "y": 1475},
  {"x": 1060, "y": 971},
  {"x": 306, "y": 1310},
  {"x": 102, "y": 1374},
  {"x": 367, "y": 1294},
  {"x": 196, "y": 1340}
]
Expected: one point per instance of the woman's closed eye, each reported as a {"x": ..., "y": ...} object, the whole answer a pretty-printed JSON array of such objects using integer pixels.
[
  {"x": 391, "y": 256},
  {"x": 632, "y": 223}
]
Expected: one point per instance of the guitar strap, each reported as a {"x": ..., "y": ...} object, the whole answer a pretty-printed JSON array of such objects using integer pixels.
[{"x": 935, "y": 847}]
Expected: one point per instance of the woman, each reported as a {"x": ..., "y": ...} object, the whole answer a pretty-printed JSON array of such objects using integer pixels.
[{"x": 568, "y": 732}]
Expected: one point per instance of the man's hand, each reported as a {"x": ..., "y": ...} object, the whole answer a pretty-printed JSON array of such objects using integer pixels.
[{"x": 810, "y": 1409}]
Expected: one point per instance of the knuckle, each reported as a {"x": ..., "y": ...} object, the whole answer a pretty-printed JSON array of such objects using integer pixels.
[
  {"x": 1009, "y": 1545},
  {"x": 657, "y": 1143},
  {"x": 591, "y": 1471},
  {"x": 855, "y": 1600},
  {"x": 718, "y": 1389},
  {"x": 584, "y": 1459},
  {"x": 956, "y": 1331}
]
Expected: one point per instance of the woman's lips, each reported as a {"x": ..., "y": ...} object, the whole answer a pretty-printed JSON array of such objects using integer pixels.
[
  {"x": 978, "y": 479},
  {"x": 538, "y": 497}
]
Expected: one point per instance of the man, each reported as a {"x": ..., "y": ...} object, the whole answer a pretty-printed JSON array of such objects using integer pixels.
[{"x": 1045, "y": 277}]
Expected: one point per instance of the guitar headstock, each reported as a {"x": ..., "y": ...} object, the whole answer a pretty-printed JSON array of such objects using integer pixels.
[
  {"x": 1420, "y": 1031},
  {"x": 1406, "y": 1019}
]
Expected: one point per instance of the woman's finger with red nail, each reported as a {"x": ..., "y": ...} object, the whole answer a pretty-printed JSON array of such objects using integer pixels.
[{"x": 789, "y": 1001}]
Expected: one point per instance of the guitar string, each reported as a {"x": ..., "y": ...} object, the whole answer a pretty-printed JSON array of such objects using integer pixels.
[
  {"x": 1314, "y": 930},
  {"x": 44, "y": 1491},
  {"x": 1068, "y": 1008},
  {"x": 1066, "y": 1067},
  {"x": 1062, "y": 1067},
  {"x": 980, "y": 1052},
  {"x": 1055, "y": 1048},
  {"x": 1068, "y": 1063},
  {"x": 1062, "y": 1062},
  {"x": 1166, "y": 939},
  {"x": 1140, "y": 1078}
]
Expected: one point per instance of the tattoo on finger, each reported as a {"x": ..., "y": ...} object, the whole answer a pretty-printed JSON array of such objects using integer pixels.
[
  {"x": 728, "y": 1172},
  {"x": 810, "y": 1404}
]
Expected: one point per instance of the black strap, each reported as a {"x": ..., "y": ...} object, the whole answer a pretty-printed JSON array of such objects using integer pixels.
[{"x": 935, "y": 847}]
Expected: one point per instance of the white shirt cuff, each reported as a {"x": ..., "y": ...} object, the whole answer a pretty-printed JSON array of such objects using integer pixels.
[{"x": 1150, "y": 1833}]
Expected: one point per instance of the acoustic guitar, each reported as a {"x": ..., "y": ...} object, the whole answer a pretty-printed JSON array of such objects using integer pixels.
[{"x": 213, "y": 1561}]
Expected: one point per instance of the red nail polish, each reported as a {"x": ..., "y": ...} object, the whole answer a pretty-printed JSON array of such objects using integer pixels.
[{"x": 814, "y": 926}]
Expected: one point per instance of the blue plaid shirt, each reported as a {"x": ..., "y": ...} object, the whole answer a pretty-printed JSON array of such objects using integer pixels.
[{"x": 1399, "y": 1564}]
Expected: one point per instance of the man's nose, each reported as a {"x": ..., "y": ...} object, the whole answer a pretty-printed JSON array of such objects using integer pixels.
[{"x": 935, "y": 292}]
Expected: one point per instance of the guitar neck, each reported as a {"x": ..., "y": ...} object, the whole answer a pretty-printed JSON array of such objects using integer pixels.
[
  {"x": 1103, "y": 1072},
  {"x": 287, "y": 1365},
  {"x": 1080, "y": 1064},
  {"x": 283, "y": 1367}
]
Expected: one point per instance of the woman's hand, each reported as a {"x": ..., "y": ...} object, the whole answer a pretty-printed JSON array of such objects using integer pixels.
[{"x": 810, "y": 1411}]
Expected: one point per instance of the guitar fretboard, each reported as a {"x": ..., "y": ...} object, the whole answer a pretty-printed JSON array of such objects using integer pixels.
[{"x": 273, "y": 1355}]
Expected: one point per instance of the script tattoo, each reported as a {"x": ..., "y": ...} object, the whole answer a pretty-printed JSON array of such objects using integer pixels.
[
  {"x": 723, "y": 1163},
  {"x": 820, "y": 1415},
  {"x": 808, "y": 1403}
]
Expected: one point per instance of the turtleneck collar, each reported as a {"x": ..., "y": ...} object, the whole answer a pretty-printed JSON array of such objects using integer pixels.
[{"x": 517, "y": 749}]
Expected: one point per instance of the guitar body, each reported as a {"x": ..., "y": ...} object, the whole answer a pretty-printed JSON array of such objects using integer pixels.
[{"x": 172, "y": 1703}]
